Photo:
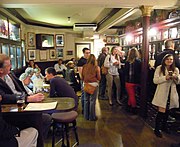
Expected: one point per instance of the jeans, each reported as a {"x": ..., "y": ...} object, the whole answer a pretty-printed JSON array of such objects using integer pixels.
[
  {"x": 82, "y": 96},
  {"x": 89, "y": 105}
]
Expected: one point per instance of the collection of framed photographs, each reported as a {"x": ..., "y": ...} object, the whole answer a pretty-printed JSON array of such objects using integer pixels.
[{"x": 43, "y": 54}]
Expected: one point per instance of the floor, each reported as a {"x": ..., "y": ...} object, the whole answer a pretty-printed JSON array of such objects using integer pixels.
[{"x": 117, "y": 128}]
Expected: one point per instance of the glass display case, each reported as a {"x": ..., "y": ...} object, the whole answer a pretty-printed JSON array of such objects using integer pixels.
[
  {"x": 19, "y": 57},
  {"x": 23, "y": 53},
  {"x": 10, "y": 41},
  {"x": 5, "y": 49},
  {"x": 13, "y": 56},
  {"x": 14, "y": 30},
  {"x": 3, "y": 27}
]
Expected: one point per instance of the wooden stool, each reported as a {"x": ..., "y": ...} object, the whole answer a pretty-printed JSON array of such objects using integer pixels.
[{"x": 65, "y": 118}]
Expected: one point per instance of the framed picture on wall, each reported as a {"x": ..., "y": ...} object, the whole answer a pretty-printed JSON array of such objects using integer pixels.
[
  {"x": 31, "y": 39},
  {"x": 59, "y": 40},
  {"x": 59, "y": 52},
  {"x": 43, "y": 55},
  {"x": 52, "y": 54},
  {"x": 70, "y": 52},
  {"x": 31, "y": 54}
]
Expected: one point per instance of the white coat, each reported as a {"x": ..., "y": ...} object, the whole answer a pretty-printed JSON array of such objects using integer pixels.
[{"x": 163, "y": 87}]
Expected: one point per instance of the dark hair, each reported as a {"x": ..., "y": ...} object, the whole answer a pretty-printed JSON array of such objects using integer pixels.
[
  {"x": 163, "y": 65},
  {"x": 84, "y": 49},
  {"x": 51, "y": 70}
]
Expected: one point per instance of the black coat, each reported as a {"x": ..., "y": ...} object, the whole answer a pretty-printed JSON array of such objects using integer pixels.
[
  {"x": 161, "y": 55},
  {"x": 136, "y": 72},
  {"x": 8, "y": 97},
  {"x": 7, "y": 133}
]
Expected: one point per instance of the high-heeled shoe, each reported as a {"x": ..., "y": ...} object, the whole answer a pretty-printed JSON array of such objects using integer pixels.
[
  {"x": 119, "y": 102},
  {"x": 110, "y": 103}
]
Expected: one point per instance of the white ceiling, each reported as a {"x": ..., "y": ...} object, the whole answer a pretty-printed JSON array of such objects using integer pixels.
[{"x": 56, "y": 12}]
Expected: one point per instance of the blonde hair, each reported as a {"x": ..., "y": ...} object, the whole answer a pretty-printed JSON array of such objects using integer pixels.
[
  {"x": 92, "y": 60},
  {"x": 132, "y": 55}
]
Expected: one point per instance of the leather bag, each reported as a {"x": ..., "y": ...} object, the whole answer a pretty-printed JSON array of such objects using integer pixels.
[
  {"x": 104, "y": 70},
  {"x": 88, "y": 88}
]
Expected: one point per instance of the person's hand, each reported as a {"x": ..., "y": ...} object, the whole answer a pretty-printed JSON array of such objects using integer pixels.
[
  {"x": 168, "y": 77},
  {"x": 35, "y": 98},
  {"x": 116, "y": 63},
  {"x": 174, "y": 77}
]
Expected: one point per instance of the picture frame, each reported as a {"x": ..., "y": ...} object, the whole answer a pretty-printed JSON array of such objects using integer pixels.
[
  {"x": 59, "y": 40},
  {"x": 43, "y": 55},
  {"x": 52, "y": 54},
  {"x": 108, "y": 39},
  {"x": 31, "y": 54},
  {"x": 70, "y": 53},
  {"x": 31, "y": 39},
  {"x": 59, "y": 52}
]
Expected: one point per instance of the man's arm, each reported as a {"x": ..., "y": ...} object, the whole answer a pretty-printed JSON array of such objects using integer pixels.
[{"x": 80, "y": 71}]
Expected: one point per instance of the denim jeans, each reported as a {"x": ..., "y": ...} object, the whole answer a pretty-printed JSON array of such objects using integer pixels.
[
  {"x": 82, "y": 95},
  {"x": 89, "y": 105}
]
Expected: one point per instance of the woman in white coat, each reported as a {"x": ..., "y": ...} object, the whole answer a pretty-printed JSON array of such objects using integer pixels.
[{"x": 166, "y": 77}]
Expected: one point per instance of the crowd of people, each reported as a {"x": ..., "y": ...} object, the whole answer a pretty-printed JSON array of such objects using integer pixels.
[{"x": 111, "y": 76}]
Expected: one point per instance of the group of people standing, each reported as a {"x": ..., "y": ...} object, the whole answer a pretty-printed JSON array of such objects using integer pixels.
[{"x": 90, "y": 71}]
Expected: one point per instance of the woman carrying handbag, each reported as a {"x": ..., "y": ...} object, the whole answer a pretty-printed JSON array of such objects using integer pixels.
[{"x": 90, "y": 76}]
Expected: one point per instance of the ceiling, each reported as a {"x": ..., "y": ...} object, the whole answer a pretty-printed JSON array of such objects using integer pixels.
[{"x": 106, "y": 13}]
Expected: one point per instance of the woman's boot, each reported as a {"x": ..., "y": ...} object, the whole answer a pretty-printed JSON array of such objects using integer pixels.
[
  {"x": 165, "y": 124},
  {"x": 158, "y": 121}
]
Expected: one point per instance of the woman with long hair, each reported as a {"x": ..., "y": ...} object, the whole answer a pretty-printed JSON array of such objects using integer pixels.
[
  {"x": 113, "y": 63},
  {"x": 91, "y": 75},
  {"x": 166, "y": 77},
  {"x": 132, "y": 77}
]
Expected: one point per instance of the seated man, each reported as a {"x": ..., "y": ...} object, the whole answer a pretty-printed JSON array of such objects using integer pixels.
[
  {"x": 71, "y": 76},
  {"x": 60, "y": 68},
  {"x": 9, "y": 135},
  {"x": 10, "y": 86},
  {"x": 59, "y": 86},
  {"x": 11, "y": 89}
]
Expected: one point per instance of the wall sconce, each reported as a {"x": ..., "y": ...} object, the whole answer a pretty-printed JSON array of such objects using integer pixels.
[{"x": 69, "y": 19}]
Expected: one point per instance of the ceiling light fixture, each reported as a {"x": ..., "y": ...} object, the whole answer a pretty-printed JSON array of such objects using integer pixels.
[{"x": 69, "y": 19}]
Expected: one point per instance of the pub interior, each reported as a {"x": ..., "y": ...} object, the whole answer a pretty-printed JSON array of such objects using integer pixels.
[{"x": 49, "y": 37}]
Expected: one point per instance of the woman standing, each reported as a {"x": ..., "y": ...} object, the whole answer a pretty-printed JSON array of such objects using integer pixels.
[
  {"x": 91, "y": 74},
  {"x": 112, "y": 62},
  {"x": 166, "y": 77},
  {"x": 132, "y": 76}
]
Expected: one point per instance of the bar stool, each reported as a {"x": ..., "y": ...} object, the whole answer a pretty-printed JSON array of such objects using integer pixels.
[{"x": 65, "y": 118}]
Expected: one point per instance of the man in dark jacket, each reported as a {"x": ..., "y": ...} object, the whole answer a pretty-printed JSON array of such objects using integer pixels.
[
  {"x": 102, "y": 83},
  {"x": 11, "y": 89},
  {"x": 59, "y": 86},
  {"x": 9, "y": 135},
  {"x": 169, "y": 49}
]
